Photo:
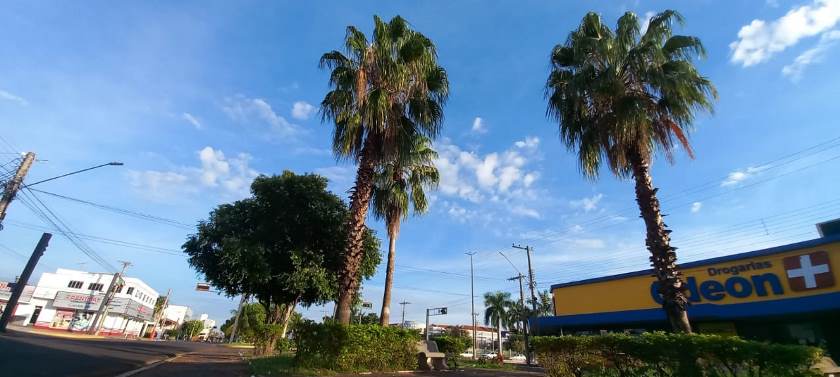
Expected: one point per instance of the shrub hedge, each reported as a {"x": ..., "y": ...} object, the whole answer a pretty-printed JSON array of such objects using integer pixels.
[
  {"x": 660, "y": 354},
  {"x": 355, "y": 348}
]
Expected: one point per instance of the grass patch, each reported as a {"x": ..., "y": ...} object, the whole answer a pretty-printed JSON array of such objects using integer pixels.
[
  {"x": 282, "y": 365},
  {"x": 483, "y": 364}
]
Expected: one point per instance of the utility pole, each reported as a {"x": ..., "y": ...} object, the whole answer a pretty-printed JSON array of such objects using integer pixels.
[
  {"x": 14, "y": 185},
  {"x": 161, "y": 317},
  {"x": 242, "y": 301},
  {"x": 532, "y": 285},
  {"x": 99, "y": 318},
  {"x": 404, "y": 303},
  {"x": 24, "y": 278},
  {"x": 472, "y": 306}
]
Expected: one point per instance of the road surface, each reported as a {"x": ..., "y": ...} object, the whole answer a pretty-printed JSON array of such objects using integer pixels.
[{"x": 24, "y": 354}]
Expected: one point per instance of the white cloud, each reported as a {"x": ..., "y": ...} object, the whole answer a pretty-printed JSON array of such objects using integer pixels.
[
  {"x": 810, "y": 56},
  {"x": 587, "y": 204},
  {"x": 474, "y": 177},
  {"x": 589, "y": 243},
  {"x": 530, "y": 142},
  {"x": 159, "y": 185},
  {"x": 525, "y": 211},
  {"x": 339, "y": 175},
  {"x": 738, "y": 176},
  {"x": 478, "y": 126},
  {"x": 191, "y": 119},
  {"x": 230, "y": 175},
  {"x": 12, "y": 97},
  {"x": 696, "y": 206},
  {"x": 302, "y": 110},
  {"x": 243, "y": 109},
  {"x": 760, "y": 40}
]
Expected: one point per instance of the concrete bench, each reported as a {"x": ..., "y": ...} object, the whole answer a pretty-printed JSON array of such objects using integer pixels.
[{"x": 428, "y": 356}]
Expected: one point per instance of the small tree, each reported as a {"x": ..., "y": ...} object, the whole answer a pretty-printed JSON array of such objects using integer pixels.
[
  {"x": 283, "y": 246},
  {"x": 191, "y": 329}
]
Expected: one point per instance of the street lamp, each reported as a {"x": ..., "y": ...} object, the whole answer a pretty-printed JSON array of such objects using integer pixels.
[
  {"x": 75, "y": 172},
  {"x": 205, "y": 287}
]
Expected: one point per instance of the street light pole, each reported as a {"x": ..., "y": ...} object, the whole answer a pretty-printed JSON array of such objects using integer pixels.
[
  {"x": 20, "y": 285},
  {"x": 404, "y": 303},
  {"x": 472, "y": 306},
  {"x": 74, "y": 172},
  {"x": 99, "y": 318},
  {"x": 532, "y": 285},
  {"x": 236, "y": 319}
]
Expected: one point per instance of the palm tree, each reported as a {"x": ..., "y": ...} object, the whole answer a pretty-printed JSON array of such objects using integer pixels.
[
  {"x": 496, "y": 308},
  {"x": 621, "y": 96},
  {"x": 397, "y": 185},
  {"x": 544, "y": 304},
  {"x": 382, "y": 91}
]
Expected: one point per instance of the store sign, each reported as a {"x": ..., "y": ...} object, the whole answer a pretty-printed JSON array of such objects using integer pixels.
[
  {"x": 789, "y": 274},
  {"x": 6, "y": 292},
  {"x": 78, "y": 301}
]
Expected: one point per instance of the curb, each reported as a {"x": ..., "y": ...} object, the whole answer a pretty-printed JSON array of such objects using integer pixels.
[{"x": 150, "y": 365}]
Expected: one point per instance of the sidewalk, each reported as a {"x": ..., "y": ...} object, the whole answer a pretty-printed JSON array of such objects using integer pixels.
[{"x": 56, "y": 333}]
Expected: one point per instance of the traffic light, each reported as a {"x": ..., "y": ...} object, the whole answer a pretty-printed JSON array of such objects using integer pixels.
[{"x": 442, "y": 310}]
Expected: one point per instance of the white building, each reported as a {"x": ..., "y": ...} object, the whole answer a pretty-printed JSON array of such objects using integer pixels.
[
  {"x": 209, "y": 325},
  {"x": 175, "y": 315},
  {"x": 69, "y": 299}
]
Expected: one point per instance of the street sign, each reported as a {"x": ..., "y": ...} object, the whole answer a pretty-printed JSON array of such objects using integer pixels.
[
  {"x": 367, "y": 305},
  {"x": 202, "y": 287}
]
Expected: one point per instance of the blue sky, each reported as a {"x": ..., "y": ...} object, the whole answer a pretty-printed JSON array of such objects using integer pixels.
[{"x": 197, "y": 98}]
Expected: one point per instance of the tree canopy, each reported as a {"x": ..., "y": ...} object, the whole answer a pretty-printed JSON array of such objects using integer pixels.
[{"x": 283, "y": 245}]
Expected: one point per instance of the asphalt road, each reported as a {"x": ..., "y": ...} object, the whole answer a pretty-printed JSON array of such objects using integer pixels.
[{"x": 26, "y": 354}]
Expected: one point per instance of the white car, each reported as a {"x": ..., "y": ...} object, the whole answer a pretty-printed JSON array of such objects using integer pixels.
[
  {"x": 489, "y": 356},
  {"x": 467, "y": 355}
]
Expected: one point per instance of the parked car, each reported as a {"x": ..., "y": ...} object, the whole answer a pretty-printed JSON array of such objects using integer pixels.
[
  {"x": 467, "y": 355},
  {"x": 518, "y": 357},
  {"x": 489, "y": 356}
]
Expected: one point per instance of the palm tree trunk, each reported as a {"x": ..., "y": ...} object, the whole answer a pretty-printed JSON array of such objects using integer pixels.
[
  {"x": 658, "y": 240},
  {"x": 385, "y": 315},
  {"x": 359, "y": 200}
]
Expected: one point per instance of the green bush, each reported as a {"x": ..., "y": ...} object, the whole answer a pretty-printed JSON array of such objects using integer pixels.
[
  {"x": 452, "y": 344},
  {"x": 355, "y": 348},
  {"x": 660, "y": 354}
]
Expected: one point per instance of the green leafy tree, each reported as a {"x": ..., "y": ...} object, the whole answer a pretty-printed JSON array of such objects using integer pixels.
[
  {"x": 399, "y": 184},
  {"x": 283, "y": 246},
  {"x": 191, "y": 329},
  {"x": 252, "y": 317},
  {"x": 619, "y": 97},
  {"x": 496, "y": 311},
  {"x": 381, "y": 91}
]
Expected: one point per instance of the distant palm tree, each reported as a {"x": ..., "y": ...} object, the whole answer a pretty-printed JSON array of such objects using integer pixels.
[
  {"x": 381, "y": 91},
  {"x": 399, "y": 184},
  {"x": 621, "y": 96},
  {"x": 496, "y": 308},
  {"x": 544, "y": 304}
]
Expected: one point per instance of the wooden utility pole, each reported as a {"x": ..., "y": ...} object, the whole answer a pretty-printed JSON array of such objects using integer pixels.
[
  {"x": 99, "y": 318},
  {"x": 242, "y": 301},
  {"x": 532, "y": 285},
  {"x": 404, "y": 303},
  {"x": 14, "y": 185},
  {"x": 161, "y": 315},
  {"x": 24, "y": 278}
]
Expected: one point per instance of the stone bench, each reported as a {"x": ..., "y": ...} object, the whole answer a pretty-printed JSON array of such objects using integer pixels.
[{"x": 428, "y": 356}]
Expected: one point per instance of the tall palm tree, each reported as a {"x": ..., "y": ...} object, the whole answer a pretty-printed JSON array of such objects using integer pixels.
[
  {"x": 382, "y": 91},
  {"x": 619, "y": 97},
  {"x": 496, "y": 308},
  {"x": 397, "y": 185}
]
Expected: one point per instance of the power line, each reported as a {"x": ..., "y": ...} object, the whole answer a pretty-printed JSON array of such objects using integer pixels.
[{"x": 135, "y": 214}]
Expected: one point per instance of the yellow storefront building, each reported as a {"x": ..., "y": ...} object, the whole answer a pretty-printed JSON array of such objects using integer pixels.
[{"x": 786, "y": 294}]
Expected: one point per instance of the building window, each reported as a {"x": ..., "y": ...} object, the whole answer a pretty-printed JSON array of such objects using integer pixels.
[
  {"x": 95, "y": 286},
  {"x": 129, "y": 291},
  {"x": 118, "y": 289},
  {"x": 74, "y": 284}
]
